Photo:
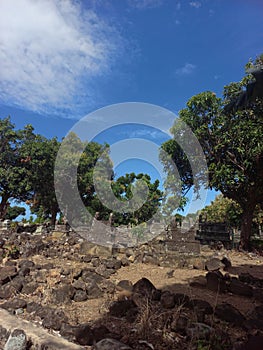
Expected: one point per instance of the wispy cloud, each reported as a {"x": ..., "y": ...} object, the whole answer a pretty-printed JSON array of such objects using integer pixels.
[
  {"x": 48, "y": 48},
  {"x": 195, "y": 4},
  {"x": 187, "y": 69},
  {"x": 145, "y": 4}
]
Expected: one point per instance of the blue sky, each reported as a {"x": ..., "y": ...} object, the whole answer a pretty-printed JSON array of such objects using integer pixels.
[{"x": 61, "y": 60}]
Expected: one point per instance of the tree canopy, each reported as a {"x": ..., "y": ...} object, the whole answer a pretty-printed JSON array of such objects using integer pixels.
[{"x": 232, "y": 142}]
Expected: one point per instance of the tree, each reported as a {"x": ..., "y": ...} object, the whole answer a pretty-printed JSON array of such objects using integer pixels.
[
  {"x": 13, "y": 212},
  {"x": 125, "y": 188},
  {"x": 14, "y": 184},
  {"x": 42, "y": 153},
  {"x": 232, "y": 142},
  {"x": 223, "y": 209}
]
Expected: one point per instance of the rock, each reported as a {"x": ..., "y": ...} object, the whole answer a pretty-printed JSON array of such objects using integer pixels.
[
  {"x": 53, "y": 319},
  {"x": 110, "y": 344},
  {"x": 227, "y": 262},
  {"x": 239, "y": 288},
  {"x": 121, "y": 308},
  {"x": 16, "y": 341},
  {"x": 84, "y": 335},
  {"x": 24, "y": 271},
  {"x": 79, "y": 284},
  {"x": 124, "y": 285},
  {"x": 86, "y": 258},
  {"x": 87, "y": 275},
  {"x": 125, "y": 261},
  {"x": 80, "y": 295},
  {"x": 104, "y": 272},
  {"x": 93, "y": 290},
  {"x": 33, "y": 307},
  {"x": 144, "y": 287},
  {"x": 253, "y": 323},
  {"x": 201, "y": 305},
  {"x": 7, "y": 273},
  {"x": 198, "y": 264},
  {"x": 68, "y": 331},
  {"x": 8, "y": 290},
  {"x": 131, "y": 258},
  {"x": 167, "y": 300},
  {"x": 63, "y": 294},
  {"x": 107, "y": 286},
  {"x": 198, "y": 281},
  {"x": 112, "y": 263},
  {"x": 14, "y": 304},
  {"x": 229, "y": 313},
  {"x": 26, "y": 263},
  {"x": 29, "y": 288},
  {"x": 213, "y": 264},
  {"x": 149, "y": 259},
  {"x": 93, "y": 249},
  {"x": 102, "y": 332},
  {"x": 215, "y": 281},
  {"x": 199, "y": 331}
]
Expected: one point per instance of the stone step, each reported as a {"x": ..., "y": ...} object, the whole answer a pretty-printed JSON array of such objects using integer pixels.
[{"x": 39, "y": 337}]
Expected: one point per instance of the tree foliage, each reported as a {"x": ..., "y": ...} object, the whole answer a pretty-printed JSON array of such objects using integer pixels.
[
  {"x": 233, "y": 145},
  {"x": 14, "y": 175}
]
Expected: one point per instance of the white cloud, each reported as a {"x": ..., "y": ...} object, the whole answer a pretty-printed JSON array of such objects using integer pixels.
[
  {"x": 178, "y": 6},
  {"x": 48, "y": 48},
  {"x": 144, "y": 4},
  {"x": 195, "y": 4},
  {"x": 187, "y": 69}
]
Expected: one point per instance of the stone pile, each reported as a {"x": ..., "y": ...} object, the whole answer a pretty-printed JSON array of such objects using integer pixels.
[{"x": 42, "y": 275}]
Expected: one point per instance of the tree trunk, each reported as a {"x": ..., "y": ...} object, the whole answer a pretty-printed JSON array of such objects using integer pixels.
[
  {"x": 53, "y": 216},
  {"x": 246, "y": 227},
  {"x": 3, "y": 206}
]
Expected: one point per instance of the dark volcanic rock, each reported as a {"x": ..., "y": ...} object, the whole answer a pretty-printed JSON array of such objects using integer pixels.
[
  {"x": 93, "y": 290},
  {"x": 7, "y": 273},
  {"x": 229, "y": 313},
  {"x": 112, "y": 263},
  {"x": 144, "y": 287},
  {"x": 214, "y": 264},
  {"x": 215, "y": 281},
  {"x": 121, "y": 308},
  {"x": 80, "y": 295},
  {"x": 84, "y": 335},
  {"x": 239, "y": 288},
  {"x": 201, "y": 305},
  {"x": 63, "y": 294},
  {"x": 54, "y": 319},
  {"x": 111, "y": 344},
  {"x": 14, "y": 304}
]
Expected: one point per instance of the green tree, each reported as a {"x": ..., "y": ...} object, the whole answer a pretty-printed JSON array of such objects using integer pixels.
[
  {"x": 232, "y": 142},
  {"x": 13, "y": 212},
  {"x": 42, "y": 153},
  {"x": 223, "y": 209},
  {"x": 14, "y": 184},
  {"x": 125, "y": 188}
]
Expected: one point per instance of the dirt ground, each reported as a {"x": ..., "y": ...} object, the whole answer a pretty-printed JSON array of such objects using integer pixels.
[{"x": 91, "y": 310}]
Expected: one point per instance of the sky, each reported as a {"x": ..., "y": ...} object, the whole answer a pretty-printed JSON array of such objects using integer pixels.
[{"x": 63, "y": 59}]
